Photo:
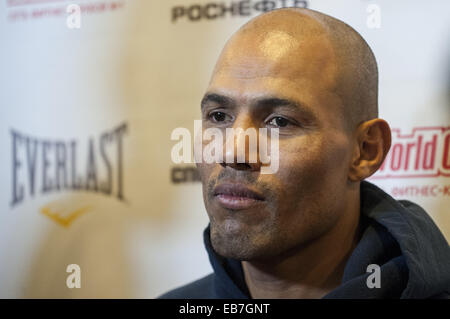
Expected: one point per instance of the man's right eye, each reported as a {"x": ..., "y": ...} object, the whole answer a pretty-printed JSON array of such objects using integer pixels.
[{"x": 218, "y": 116}]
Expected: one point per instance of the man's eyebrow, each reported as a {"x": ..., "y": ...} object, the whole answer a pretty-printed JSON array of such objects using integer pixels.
[
  {"x": 267, "y": 102},
  {"x": 273, "y": 102},
  {"x": 216, "y": 98}
]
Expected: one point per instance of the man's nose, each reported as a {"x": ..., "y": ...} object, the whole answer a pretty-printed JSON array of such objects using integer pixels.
[{"x": 241, "y": 146}]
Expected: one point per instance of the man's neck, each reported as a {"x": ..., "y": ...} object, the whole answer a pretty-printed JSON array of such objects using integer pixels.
[{"x": 312, "y": 271}]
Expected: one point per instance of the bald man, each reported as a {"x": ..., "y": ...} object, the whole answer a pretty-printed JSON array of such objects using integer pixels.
[{"x": 314, "y": 228}]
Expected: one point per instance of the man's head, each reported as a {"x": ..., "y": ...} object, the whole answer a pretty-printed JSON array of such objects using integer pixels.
[{"x": 315, "y": 79}]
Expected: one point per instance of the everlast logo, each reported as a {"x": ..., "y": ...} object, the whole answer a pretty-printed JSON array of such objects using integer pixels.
[
  {"x": 44, "y": 165},
  {"x": 423, "y": 153},
  {"x": 245, "y": 8}
]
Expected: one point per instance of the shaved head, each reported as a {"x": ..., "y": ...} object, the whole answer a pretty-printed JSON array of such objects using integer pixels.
[
  {"x": 314, "y": 79},
  {"x": 335, "y": 54}
]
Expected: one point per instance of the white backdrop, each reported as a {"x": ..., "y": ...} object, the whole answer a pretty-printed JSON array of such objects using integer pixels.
[{"x": 86, "y": 117}]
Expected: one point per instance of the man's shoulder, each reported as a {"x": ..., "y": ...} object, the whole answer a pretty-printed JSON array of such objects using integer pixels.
[
  {"x": 202, "y": 288},
  {"x": 442, "y": 295}
]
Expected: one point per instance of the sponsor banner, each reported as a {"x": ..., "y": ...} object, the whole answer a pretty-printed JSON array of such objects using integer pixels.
[{"x": 423, "y": 153}]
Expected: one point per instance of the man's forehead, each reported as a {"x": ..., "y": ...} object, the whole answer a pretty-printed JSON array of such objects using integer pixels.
[
  {"x": 279, "y": 55},
  {"x": 305, "y": 56},
  {"x": 272, "y": 45},
  {"x": 306, "y": 77},
  {"x": 252, "y": 90}
]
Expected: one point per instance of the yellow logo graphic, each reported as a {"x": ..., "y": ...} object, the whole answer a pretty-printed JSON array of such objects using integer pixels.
[{"x": 63, "y": 216}]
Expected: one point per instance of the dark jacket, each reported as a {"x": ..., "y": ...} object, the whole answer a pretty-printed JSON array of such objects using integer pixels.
[{"x": 399, "y": 236}]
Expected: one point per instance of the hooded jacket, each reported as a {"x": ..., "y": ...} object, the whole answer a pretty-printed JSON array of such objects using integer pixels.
[{"x": 398, "y": 236}]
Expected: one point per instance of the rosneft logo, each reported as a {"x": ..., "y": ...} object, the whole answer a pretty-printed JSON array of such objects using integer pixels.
[
  {"x": 220, "y": 10},
  {"x": 425, "y": 152}
]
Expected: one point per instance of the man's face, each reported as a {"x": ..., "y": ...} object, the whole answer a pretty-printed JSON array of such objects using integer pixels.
[{"x": 276, "y": 81}]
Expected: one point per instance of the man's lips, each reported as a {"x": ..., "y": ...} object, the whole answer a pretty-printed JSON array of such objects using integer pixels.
[{"x": 236, "y": 196}]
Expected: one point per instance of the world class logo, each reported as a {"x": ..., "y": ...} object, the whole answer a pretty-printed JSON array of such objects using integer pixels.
[
  {"x": 50, "y": 165},
  {"x": 425, "y": 152}
]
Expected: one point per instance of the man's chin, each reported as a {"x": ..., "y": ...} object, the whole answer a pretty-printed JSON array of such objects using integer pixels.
[
  {"x": 236, "y": 253},
  {"x": 236, "y": 245}
]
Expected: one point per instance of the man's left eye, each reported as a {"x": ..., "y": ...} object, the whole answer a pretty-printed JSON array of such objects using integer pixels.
[{"x": 279, "y": 121}]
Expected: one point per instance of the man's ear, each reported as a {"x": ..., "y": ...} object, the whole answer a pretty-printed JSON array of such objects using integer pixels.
[{"x": 372, "y": 143}]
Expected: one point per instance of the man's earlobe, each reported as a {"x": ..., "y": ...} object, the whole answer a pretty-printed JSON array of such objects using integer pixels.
[{"x": 373, "y": 140}]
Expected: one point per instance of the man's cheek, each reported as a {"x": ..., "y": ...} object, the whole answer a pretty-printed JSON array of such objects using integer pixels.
[
  {"x": 300, "y": 172},
  {"x": 298, "y": 160}
]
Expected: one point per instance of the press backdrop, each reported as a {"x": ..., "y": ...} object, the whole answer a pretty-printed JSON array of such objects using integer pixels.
[{"x": 88, "y": 102}]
